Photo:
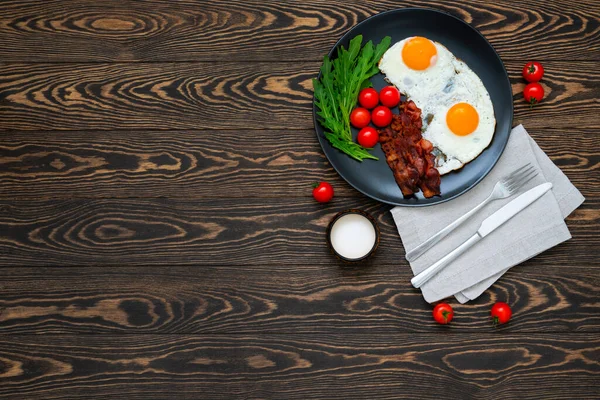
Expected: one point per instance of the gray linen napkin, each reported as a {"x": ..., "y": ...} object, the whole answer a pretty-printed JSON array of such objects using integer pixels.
[
  {"x": 534, "y": 230},
  {"x": 567, "y": 196}
]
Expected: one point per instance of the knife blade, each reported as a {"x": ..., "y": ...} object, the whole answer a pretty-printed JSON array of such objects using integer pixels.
[
  {"x": 488, "y": 225},
  {"x": 511, "y": 209}
]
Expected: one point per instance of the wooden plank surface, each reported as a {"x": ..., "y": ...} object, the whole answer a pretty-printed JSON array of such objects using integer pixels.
[
  {"x": 207, "y": 164},
  {"x": 158, "y": 239},
  {"x": 283, "y": 300},
  {"x": 307, "y": 366},
  {"x": 258, "y": 30},
  {"x": 232, "y": 96},
  {"x": 212, "y": 231}
]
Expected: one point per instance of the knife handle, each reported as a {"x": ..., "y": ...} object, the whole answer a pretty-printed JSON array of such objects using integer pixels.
[{"x": 431, "y": 271}]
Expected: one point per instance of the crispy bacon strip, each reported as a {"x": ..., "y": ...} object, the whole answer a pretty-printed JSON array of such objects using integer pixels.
[{"x": 408, "y": 154}]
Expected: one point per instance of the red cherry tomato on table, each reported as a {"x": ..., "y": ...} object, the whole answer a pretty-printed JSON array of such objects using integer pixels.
[
  {"x": 368, "y": 137},
  {"x": 533, "y": 71},
  {"x": 389, "y": 96},
  {"x": 443, "y": 313},
  {"x": 381, "y": 116},
  {"x": 533, "y": 93},
  {"x": 322, "y": 192},
  {"x": 360, "y": 117},
  {"x": 501, "y": 313},
  {"x": 368, "y": 98}
]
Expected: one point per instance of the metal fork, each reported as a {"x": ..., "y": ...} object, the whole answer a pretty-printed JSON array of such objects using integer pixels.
[{"x": 506, "y": 187}]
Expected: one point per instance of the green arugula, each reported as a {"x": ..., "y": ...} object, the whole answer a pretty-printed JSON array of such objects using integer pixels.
[{"x": 336, "y": 92}]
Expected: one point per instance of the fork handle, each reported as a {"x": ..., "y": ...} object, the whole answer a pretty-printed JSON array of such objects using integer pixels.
[
  {"x": 431, "y": 271},
  {"x": 432, "y": 241}
]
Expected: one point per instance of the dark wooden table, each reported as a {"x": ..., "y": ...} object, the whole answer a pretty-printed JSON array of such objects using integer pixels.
[{"x": 158, "y": 238}]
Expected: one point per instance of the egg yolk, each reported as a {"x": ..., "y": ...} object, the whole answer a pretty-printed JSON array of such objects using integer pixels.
[
  {"x": 462, "y": 119},
  {"x": 419, "y": 53}
]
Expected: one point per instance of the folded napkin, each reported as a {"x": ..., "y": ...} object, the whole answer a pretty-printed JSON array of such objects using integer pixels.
[{"x": 534, "y": 230}]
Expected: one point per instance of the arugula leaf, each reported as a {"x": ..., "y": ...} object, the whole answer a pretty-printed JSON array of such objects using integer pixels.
[{"x": 336, "y": 92}]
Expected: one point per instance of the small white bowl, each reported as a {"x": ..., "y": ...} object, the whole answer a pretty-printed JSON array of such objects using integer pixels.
[{"x": 369, "y": 218}]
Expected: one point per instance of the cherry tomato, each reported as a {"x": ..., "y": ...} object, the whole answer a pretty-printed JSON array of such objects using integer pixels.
[
  {"x": 533, "y": 71},
  {"x": 389, "y": 96},
  {"x": 368, "y": 98},
  {"x": 360, "y": 117},
  {"x": 501, "y": 313},
  {"x": 533, "y": 93},
  {"x": 322, "y": 192},
  {"x": 381, "y": 116},
  {"x": 443, "y": 313},
  {"x": 368, "y": 137}
]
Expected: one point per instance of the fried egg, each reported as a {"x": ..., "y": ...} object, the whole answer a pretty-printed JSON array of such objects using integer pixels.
[{"x": 457, "y": 111}]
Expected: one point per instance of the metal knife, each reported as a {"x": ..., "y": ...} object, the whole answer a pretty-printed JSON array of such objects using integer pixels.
[{"x": 488, "y": 225}]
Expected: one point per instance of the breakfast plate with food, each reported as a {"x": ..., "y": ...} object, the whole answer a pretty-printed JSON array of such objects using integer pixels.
[{"x": 413, "y": 107}]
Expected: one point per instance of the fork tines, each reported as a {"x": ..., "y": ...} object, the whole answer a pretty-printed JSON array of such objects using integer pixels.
[{"x": 519, "y": 177}]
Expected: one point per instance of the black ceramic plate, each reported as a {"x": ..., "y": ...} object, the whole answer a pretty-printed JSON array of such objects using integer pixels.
[{"x": 374, "y": 178}]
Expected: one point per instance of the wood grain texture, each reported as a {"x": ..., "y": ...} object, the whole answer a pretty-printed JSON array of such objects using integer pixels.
[
  {"x": 158, "y": 239},
  {"x": 214, "y": 232},
  {"x": 243, "y": 96},
  {"x": 59, "y": 31},
  {"x": 322, "y": 298},
  {"x": 212, "y": 164},
  {"x": 301, "y": 366}
]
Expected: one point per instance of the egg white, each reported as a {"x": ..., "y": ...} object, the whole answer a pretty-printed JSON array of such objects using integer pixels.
[
  {"x": 417, "y": 84},
  {"x": 435, "y": 90}
]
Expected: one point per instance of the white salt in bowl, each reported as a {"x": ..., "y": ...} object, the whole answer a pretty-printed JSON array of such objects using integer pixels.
[{"x": 353, "y": 235}]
